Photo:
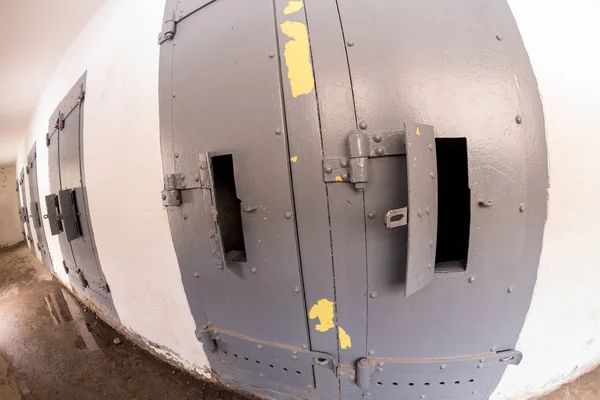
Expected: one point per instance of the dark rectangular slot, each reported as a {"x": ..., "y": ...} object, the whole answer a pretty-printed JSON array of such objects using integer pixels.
[
  {"x": 454, "y": 205},
  {"x": 228, "y": 209}
]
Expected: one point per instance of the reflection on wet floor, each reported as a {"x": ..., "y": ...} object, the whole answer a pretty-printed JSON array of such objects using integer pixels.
[{"x": 53, "y": 348}]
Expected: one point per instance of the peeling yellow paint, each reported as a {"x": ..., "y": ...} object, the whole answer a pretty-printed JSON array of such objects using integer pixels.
[
  {"x": 415, "y": 162},
  {"x": 339, "y": 179},
  {"x": 323, "y": 310},
  {"x": 418, "y": 131},
  {"x": 516, "y": 81},
  {"x": 297, "y": 58},
  {"x": 345, "y": 340},
  {"x": 293, "y": 6},
  {"x": 294, "y": 159}
]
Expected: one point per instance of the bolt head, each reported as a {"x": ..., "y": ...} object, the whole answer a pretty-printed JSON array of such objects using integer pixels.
[
  {"x": 371, "y": 352},
  {"x": 443, "y": 367},
  {"x": 428, "y": 210},
  {"x": 510, "y": 289},
  {"x": 185, "y": 217},
  {"x": 176, "y": 155},
  {"x": 420, "y": 212},
  {"x": 362, "y": 125},
  {"x": 498, "y": 37},
  {"x": 350, "y": 43},
  {"x": 328, "y": 169},
  {"x": 373, "y": 295},
  {"x": 432, "y": 174},
  {"x": 296, "y": 289},
  {"x": 196, "y": 275},
  {"x": 278, "y": 132},
  {"x": 480, "y": 366},
  {"x": 271, "y": 55},
  {"x": 378, "y": 138},
  {"x": 288, "y": 215},
  {"x": 471, "y": 279},
  {"x": 164, "y": 196},
  {"x": 379, "y": 151},
  {"x": 518, "y": 119},
  {"x": 220, "y": 266},
  {"x": 345, "y": 177},
  {"x": 522, "y": 207},
  {"x": 253, "y": 270},
  {"x": 371, "y": 214},
  {"x": 344, "y": 164}
]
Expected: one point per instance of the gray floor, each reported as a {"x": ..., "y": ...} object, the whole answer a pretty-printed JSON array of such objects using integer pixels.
[
  {"x": 51, "y": 348},
  {"x": 67, "y": 353}
]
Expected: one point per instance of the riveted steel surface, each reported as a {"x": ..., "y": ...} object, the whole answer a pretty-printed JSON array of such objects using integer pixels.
[{"x": 318, "y": 103}]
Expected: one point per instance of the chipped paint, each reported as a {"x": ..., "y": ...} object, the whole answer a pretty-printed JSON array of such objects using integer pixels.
[
  {"x": 516, "y": 81},
  {"x": 418, "y": 131},
  {"x": 323, "y": 310},
  {"x": 345, "y": 340},
  {"x": 415, "y": 162},
  {"x": 297, "y": 58},
  {"x": 339, "y": 179},
  {"x": 293, "y": 6},
  {"x": 294, "y": 159}
]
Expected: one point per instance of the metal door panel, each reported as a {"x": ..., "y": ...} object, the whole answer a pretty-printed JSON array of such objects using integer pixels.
[
  {"x": 399, "y": 90},
  {"x": 25, "y": 213},
  {"x": 70, "y": 173},
  {"x": 55, "y": 187},
  {"x": 226, "y": 100},
  {"x": 40, "y": 232}
]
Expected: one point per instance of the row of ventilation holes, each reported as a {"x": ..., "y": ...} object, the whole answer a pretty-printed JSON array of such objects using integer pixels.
[
  {"x": 426, "y": 383},
  {"x": 258, "y": 362}
]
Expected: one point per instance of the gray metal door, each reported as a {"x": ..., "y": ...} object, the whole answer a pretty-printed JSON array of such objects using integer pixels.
[
  {"x": 23, "y": 212},
  {"x": 67, "y": 205},
  {"x": 35, "y": 209},
  {"x": 356, "y": 184}
]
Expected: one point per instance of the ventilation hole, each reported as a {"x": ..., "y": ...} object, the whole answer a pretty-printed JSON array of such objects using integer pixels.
[
  {"x": 246, "y": 358},
  {"x": 285, "y": 369},
  {"x": 426, "y": 383},
  {"x": 379, "y": 384},
  {"x": 235, "y": 355},
  {"x": 258, "y": 362},
  {"x": 411, "y": 384},
  {"x": 457, "y": 383},
  {"x": 394, "y": 383},
  {"x": 299, "y": 373},
  {"x": 471, "y": 380},
  {"x": 271, "y": 366},
  {"x": 442, "y": 383}
]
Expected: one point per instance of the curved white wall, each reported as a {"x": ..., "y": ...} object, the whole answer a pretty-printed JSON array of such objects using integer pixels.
[
  {"x": 561, "y": 336},
  {"x": 124, "y": 176}
]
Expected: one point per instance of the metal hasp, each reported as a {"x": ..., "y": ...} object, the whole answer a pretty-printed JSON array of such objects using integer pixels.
[
  {"x": 53, "y": 215},
  {"x": 175, "y": 183},
  {"x": 417, "y": 142}
]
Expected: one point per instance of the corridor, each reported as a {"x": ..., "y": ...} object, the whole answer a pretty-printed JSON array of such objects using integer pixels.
[{"x": 67, "y": 353}]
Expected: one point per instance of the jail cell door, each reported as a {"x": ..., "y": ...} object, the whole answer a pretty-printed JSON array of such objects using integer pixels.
[
  {"x": 35, "y": 209},
  {"x": 23, "y": 212},
  {"x": 67, "y": 205}
]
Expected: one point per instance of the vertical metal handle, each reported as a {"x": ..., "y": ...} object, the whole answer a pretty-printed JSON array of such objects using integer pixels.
[{"x": 422, "y": 206}]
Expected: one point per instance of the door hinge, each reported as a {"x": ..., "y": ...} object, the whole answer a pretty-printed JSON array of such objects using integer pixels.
[
  {"x": 82, "y": 278},
  {"x": 362, "y": 146},
  {"x": 60, "y": 122},
  {"x": 169, "y": 30},
  {"x": 65, "y": 267},
  {"x": 47, "y": 140},
  {"x": 175, "y": 183}
]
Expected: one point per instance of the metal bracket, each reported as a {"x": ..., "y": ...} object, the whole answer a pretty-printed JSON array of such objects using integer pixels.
[
  {"x": 60, "y": 122},
  {"x": 84, "y": 281},
  {"x": 397, "y": 217},
  {"x": 175, "y": 183},
  {"x": 169, "y": 30},
  {"x": 362, "y": 146},
  {"x": 47, "y": 140},
  {"x": 205, "y": 336}
]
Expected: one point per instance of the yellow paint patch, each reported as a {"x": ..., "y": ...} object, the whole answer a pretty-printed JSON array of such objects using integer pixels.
[
  {"x": 323, "y": 310},
  {"x": 415, "y": 162},
  {"x": 345, "y": 340},
  {"x": 418, "y": 131},
  {"x": 294, "y": 159},
  {"x": 293, "y": 6},
  {"x": 516, "y": 81},
  {"x": 339, "y": 179},
  {"x": 297, "y": 58}
]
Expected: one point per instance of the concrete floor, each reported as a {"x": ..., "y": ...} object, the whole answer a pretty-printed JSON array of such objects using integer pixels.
[
  {"x": 51, "y": 348},
  {"x": 68, "y": 353}
]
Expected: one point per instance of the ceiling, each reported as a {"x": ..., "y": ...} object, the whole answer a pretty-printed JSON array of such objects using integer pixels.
[{"x": 34, "y": 34}]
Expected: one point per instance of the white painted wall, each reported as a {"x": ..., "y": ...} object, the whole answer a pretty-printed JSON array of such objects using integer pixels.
[
  {"x": 10, "y": 225},
  {"x": 124, "y": 177},
  {"x": 123, "y": 171},
  {"x": 561, "y": 336}
]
